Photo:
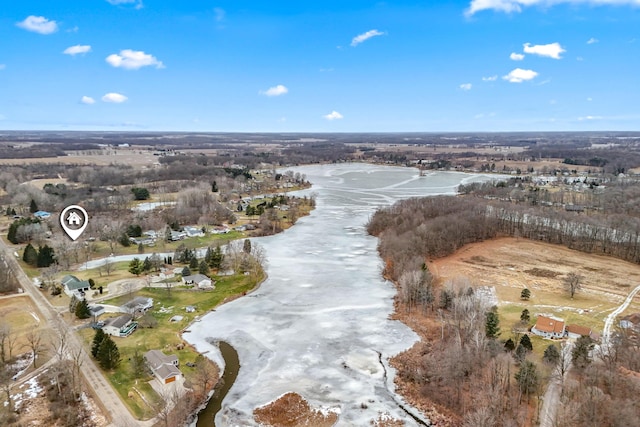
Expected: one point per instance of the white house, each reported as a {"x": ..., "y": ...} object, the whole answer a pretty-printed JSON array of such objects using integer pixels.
[
  {"x": 193, "y": 232},
  {"x": 137, "y": 306},
  {"x": 74, "y": 286},
  {"x": 200, "y": 280},
  {"x": 549, "y": 327},
  {"x": 121, "y": 326},
  {"x": 164, "y": 367}
]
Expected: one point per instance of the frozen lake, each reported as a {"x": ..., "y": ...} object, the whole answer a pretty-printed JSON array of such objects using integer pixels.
[{"x": 317, "y": 325}]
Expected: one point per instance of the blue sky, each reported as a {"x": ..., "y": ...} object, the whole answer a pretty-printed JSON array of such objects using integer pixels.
[{"x": 310, "y": 66}]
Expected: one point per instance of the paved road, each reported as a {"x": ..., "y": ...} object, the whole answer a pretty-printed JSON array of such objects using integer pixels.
[{"x": 102, "y": 390}]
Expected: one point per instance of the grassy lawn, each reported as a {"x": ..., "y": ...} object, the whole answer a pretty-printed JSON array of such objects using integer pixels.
[{"x": 166, "y": 336}]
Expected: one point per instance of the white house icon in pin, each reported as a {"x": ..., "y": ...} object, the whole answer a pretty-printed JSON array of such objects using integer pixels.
[{"x": 74, "y": 219}]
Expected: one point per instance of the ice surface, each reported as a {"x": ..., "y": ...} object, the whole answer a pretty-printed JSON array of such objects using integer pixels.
[{"x": 319, "y": 326}]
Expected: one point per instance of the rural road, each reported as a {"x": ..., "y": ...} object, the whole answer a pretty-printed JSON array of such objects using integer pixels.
[
  {"x": 551, "y": 399},
  {"x": 95, "y": 380},
  {"x": 608, "y": 322}
]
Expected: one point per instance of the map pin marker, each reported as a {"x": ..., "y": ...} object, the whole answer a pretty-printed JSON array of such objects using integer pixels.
[{"x": 73, "y": 220}]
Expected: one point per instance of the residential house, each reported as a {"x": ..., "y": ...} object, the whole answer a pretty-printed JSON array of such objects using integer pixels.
[
  {"x": 200, "y": 280},
  {"x": 121, "y": 326},
  {"x": 549, "y": 327},
  {"x": 178, "y": 235},
  {"x": 165, "y": 368},
  {"x": 194, "y": 232},
  {"x": 576, "y": 331},
  {"x": 96, "y": 311},
  {"x": 74, "y": 286},
  {"x": 137, "y": 306}
]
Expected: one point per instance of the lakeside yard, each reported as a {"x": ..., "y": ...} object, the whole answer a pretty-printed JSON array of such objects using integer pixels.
[{"x": 166, "y": 336}]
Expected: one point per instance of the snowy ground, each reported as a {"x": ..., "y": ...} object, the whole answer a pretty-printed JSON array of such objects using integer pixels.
[{"x": 315, "y": 327}]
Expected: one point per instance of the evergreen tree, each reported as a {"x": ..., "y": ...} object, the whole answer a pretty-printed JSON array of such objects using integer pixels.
[
  {"x": 12, "y": 233},
  {"x": 30, "y": 255},
  {"x": 135, "y": 266},
  {"x": 108, "y": 354},
  {"x": 446, "y": 299},
  {"x": 524, "y": 316},
  {"x": 525, "y": 294},
  {"x": 140, "y": 248},
  {"x": 509, "y": 345},
  {"x": 551, "y": 355},
  {"x": 92, "y": 283},
  {"x": 527, "y": 378},
  {"x": 140, "y": 193},
  {"x": 193, "y": 263},
  {"x": 33, "y": 207},
  {"x": 82, "y": 310},
  {"x": 208, "y": 255},
  {"x": 97, "y": 340},
  {"x": 581, "y": 353},
  {"x": 214, "y": 187},
  {"x": 216, "y": 258},
  {"x": 46, "y": 256},
  {"x": 146, "y": 264},
  {"x": 246, "y": 246},
  {"x": 492, "y": 325},
  {"x": 203, "y": 268},
  {"x": 520, "y": 354},
  {"x": 525, "y": 341},
  {"x": 8, "y": 212},
  {"x": 186, "y": 272}
]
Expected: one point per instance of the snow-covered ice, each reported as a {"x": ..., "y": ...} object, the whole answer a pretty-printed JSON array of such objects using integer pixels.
[{"x": 319, "y": 325}]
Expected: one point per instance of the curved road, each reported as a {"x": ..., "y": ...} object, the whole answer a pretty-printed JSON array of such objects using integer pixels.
[
  {"x": 608, "y": 322},
  {"x": 95, "y": 380}
]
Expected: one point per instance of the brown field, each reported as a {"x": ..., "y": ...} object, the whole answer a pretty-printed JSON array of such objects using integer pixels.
[
  {"x": 293, "y": 410},
  {"x": 511, "y": 264},
  {"x": 134, "y": 158}
]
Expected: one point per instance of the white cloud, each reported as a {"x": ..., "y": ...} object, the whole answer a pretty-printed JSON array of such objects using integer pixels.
[
  {"x": 74, "y": 50},
  {"x": 590, "y": 118},
  {"x": 519, "y": 75},
  {"x": 365, "y": 36},
  {"x": 592, "y": 40},
  {"x": 115, "y": 98},
  {"x": 133, "y": 60},
  {"x": 334, "y": 115},
  {"x": 138, "y": 3},
  {"x": 551, "y": 50},
  {"x": 275, "y": 91},
  {"x": 38, "y": 24},
  {"x": 510, "y": 6},
  {"x": 589, "y": 99},
  {"x": 490, "y": 79},
  {"x": 89, "y": 100},
  {"x": 516, "y": 56},
  {"x": 466, "y": 86}
]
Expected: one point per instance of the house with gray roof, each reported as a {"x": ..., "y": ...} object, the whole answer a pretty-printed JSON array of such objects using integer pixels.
[
  {"x": 74, "y": 286},
  {"x": 200, "y": 280},
  {"x": 164, "y": 367},
  {"x": 121, "y": 326},
  {"x": 137, "y": 306}
]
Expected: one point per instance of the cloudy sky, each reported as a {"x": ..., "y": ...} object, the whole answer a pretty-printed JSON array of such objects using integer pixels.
[{"x": 329, "y": 66}]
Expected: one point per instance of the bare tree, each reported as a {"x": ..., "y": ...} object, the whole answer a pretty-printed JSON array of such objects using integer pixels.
[
  {"x": 573, "y": 283},
  {"x": 107, "y": 267},
  {"x": 35, "y": 344}
]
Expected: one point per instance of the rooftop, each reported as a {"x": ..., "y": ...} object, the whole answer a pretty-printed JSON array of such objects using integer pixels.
[{"x": 550, "y": 324}]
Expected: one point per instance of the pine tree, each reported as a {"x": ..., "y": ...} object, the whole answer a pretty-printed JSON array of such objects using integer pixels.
[
  {"x": 33, "y": 207},
  {"x": 203, "y": 268},
  {"x": 12, "y": 233},
  {"x": 138, "y": 365},
  {"x": 97, "y": 340},
  {"x": 509, "y": 345},
  {"x": 524, "y": 316},
  {"x": 108, "y": 354},
  {"x": 527, "y": 378},
  {"x": 208, "y": 255},
  {"x": 525, "y": 294},
  {"x": 525, "y": 341},
  {"x": 46, "y": 256},
  {"x": 193, "y": 263},
  {"x": 551, "y": 355},
  {"x": 492, "y": 325},
  {"x": 214, "y": 187},
  {"x": 135, "y": 266},
  {"x": 246, "y": 246},
  {"x": 216, "y": 258},
  {"x": 186, "y": 272},
  {"x": 82, "y": 310},
  {"x": 146, "y": 264},
  {"x": 580, "y": 355},
  {"x": 30, "y": 255}
]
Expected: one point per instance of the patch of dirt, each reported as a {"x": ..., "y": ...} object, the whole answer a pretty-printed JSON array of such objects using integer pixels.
[
  {"x": 541, "y": 272},
  {"x": 292, "y": 410}
]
